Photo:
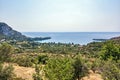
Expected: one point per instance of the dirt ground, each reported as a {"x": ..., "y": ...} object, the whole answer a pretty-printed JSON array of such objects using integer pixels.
[
  {"x": 22, "y": 72},
  {"x": 92, "y": 76}
]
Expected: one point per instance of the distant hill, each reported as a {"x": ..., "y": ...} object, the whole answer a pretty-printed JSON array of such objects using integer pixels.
[
  {"x": 6, "y": 32},
  {"x": 115, "y": 38}
]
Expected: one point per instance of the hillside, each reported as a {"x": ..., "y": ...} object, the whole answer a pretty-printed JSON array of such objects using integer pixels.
[
  {"x": 8, "y": 33},
  {"x": 116, "y": 38},
  {"x": 28, "y": 60}
]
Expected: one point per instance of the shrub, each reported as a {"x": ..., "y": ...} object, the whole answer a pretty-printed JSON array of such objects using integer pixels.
[
  {"x": 110, "y": 50},
  {"x": 42, "y": 59},
  {"x": 6, "y": 72},
  {"x": 25, "y": 61},
  {"x": 110, "y": 70},
  {"x": 59, "y": 69},
  {"x": 80, "y": 69},
  {"x": 6, "y": 51},
  {"x": 37, "y": 75}
]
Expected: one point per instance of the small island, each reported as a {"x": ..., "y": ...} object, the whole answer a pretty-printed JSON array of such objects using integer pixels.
[
  {"x": 38, "y": 38},
  {"x": 100, "y": 39}
]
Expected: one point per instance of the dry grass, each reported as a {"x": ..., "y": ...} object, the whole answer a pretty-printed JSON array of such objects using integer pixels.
[
  {"x": 22, "y": 72},
  {"x": 92, "y": 76},
  {"x": 27, "y": 73}
]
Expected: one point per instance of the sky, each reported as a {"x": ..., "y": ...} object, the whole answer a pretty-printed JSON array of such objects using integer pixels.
[{"x": 61, "y": 15}]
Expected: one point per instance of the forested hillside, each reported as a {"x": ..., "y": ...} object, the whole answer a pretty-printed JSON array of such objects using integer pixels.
[{"x": 58, "y": 61}]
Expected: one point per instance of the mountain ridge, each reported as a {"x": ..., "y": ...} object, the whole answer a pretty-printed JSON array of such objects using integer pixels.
[{"x": 6, "y": 32}]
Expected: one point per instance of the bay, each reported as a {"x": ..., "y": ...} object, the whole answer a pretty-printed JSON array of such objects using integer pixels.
[{"x": 72, "y": 37}]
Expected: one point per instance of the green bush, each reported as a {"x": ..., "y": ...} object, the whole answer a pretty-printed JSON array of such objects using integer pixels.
[
  {"x": 25, "y": 61},
  {"x": 42, "y": 59},
  {"x": 6, "y": 51},
  {"x": 80, "y": 69},
  {"x": 110, "y": 51},
  {"x": 6, "y": 72},
  {"x": 59, "y": 69},
  {"x": 97, "y": 64},
  {"x": 37, "y": 75},
  {"x": 110, "y": 70}
]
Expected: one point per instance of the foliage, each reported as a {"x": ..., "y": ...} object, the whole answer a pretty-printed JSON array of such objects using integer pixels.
[
  {"x": 59, "y": 69},
  {"x": 65, "y": 61},
  {"x": 6, "y": 51},
  {"x": 37, "y": 76},
  {"x": 80, "y": 68},
  {"x": 25, "y": 61},
  {"x": 110, "y": 50},
  {"x": 97, "y": 64},
  {"x": 59, "y": 48},
  {"x": 110, "y": 70},
  {"x": 92, "y": 49},
  {"x": 42, "y": 59},
  {"x": 6, "y": 72}
]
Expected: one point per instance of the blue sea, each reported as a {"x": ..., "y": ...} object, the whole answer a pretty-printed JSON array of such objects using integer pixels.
[{"x": 72, "y": 37}]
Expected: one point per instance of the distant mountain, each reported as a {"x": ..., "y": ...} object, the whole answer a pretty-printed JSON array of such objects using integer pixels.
[{"x": 6, "y": 32}]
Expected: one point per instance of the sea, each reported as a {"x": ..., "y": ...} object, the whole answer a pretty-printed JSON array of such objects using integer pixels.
[{"x": 81, "y": 38}]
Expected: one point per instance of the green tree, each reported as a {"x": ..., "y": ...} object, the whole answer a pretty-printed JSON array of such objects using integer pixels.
[
  {"x": 80, "y": 69},
  {"x": 6, "y": 51},
  {"x": 6, "y": 72},
  {"x": 42, "y": 59},
  {"x": 59, "y": 69},
  {"x": 110, "y": 50},
  {"x": 110, "y": 70}
]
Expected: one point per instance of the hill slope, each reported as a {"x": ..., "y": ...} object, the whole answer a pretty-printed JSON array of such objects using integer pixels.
[{"x": 8, "y": 33}]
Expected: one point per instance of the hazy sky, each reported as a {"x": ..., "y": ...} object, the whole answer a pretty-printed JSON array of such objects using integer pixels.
[{"x": 61, "y": 15}]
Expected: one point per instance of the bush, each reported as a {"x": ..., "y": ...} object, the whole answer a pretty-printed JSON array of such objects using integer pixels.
[
  {"x": 6, "y": 51},
  {"x": 59, "y": 69},
  {"x": 110, "y": 70},
  {"x": 110, "y": 50},
  {"x": 42, "y": 59},
  {"x": 25, "y": 61},
  {"x": 6, "y": 72},
  {"x": 37, "y": 75},
  {"x": 80, "y": 69}
]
